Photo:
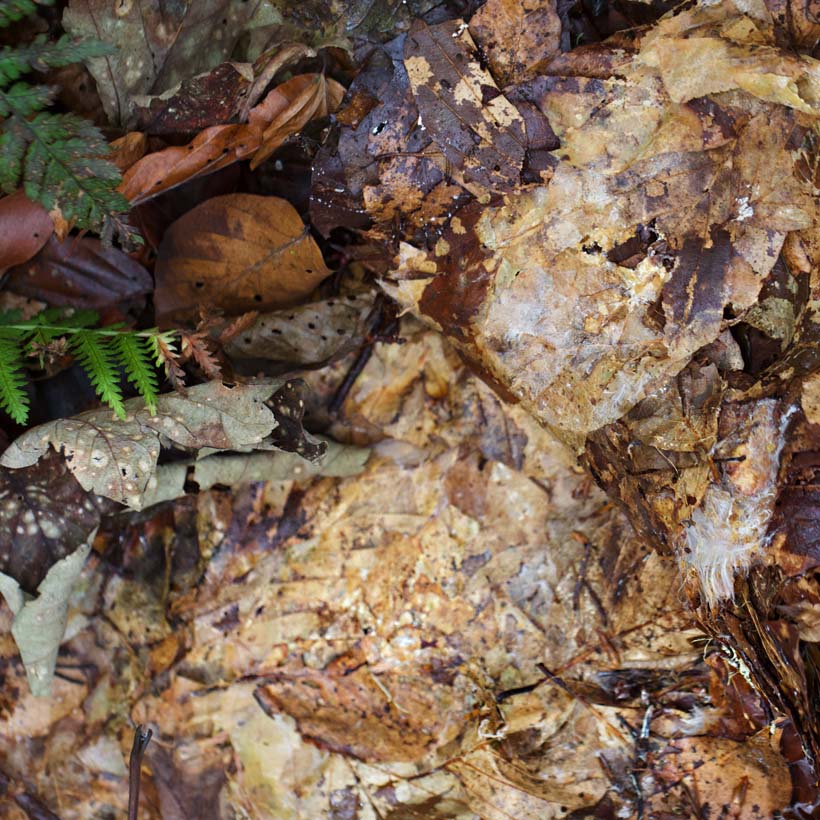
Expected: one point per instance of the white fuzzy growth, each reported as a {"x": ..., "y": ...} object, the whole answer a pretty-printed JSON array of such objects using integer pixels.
[
  {"x": 727, "y": 533},
  {"x": 724, "y": 536}
]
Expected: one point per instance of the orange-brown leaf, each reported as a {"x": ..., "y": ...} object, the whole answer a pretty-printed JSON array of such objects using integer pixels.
[
  {"x": 236, "y": 253},
  {"x": 304, "y": 97},
  {"x": 128, "y": 149}
]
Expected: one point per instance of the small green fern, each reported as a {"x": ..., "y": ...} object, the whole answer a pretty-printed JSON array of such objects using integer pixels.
[
  {"x": 103, "y": 353},
  {"x": 58, "y": 159}
]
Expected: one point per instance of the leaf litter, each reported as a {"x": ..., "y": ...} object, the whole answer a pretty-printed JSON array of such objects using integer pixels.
[{"x": 544, "y": 546}]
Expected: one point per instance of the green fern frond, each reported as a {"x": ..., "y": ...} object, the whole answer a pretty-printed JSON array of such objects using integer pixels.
[
  {"x": 13, "y": 10},
  {"x": 40, "y": 55},
  {"x": 13, "y": 396},
  {"x": 96, "y": 357},
  {"x": 135, "y": 356},
  {"x": 105, "y": 354},
  {"x": 58, "y": 159}
]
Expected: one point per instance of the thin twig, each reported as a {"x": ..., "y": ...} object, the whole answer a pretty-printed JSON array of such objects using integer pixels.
[{"x": 142, "y": 737}]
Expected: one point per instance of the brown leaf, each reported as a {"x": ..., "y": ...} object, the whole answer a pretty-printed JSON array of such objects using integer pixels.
[
  {"x": 128, "y": 149},
  {"x": 236, "y": 253},
  {"x": 304, "y": 97},
  {"x": 45, "y": 515},
  {"x": 197, "y": 103},
  {"x": 81, "y": 272},
  {"x": 222, "y": 145},
  {"x": 518, "y": 37},
  {"x": 25, "y": 227},
  {"x": 212, "y": 149},
  {"x": 478, "y": 131}
]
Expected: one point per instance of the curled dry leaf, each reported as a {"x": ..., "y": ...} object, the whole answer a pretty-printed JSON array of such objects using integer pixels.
[
  {"x": 116, "y": 458},
  {"x": 283, "y": 112},
  {"x": 236, "y": 253},
  {"x": 81, "y": 272},
  {"x": 305, "y": 97},
  {"x": 25, "y": 227}
]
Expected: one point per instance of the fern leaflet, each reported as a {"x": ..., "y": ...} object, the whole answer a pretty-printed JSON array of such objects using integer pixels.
[
  {"x": 58, "y": 159},
  {"x": 97, "y": 359},
  {"x": 13, "y": 395},
  {"x": 105, "y": 354},
  {"x": 135, "y": 355}
]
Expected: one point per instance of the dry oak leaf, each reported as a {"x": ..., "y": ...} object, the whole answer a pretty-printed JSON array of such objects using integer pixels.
[
  {"x": 117, "y": 458},
  {"x": 282, "y": 113},
  {"x": 237, "y": 253}
]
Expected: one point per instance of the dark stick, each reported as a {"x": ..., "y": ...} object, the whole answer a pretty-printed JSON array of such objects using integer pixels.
[{"x": 142, "y": 737}]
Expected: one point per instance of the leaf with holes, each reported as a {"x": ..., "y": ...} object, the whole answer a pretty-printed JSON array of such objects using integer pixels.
[
  {"x": 235, "y": 253},
  {"x": 116, "y": 459}
]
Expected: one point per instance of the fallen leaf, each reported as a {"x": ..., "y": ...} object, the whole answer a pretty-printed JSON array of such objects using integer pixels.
[
  {"x": 128, "y": 149},
  {"x": 518, "y": 38},
  {"x": 337, "y": 460},
  {"x": 196, "y": 103},
  {"x": 116, "y": 458},
  {"x": 40, "y": 620},
  {"x": 81, "y": 272},
  {"x": 476, "y": 128},
  {"x": 304, "y": 97},
  {"x": 44, "y": 516},
  {"x": 155, "y": 47},
  {"x": 236, "y": 253},
  {"x": 306, "y": 334},
  {"x": 221, "y": 145},
  {"x": 25, "y": 227}
]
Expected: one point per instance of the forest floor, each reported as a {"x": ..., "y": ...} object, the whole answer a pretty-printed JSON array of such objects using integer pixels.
[{"x": 477, "y": 477}]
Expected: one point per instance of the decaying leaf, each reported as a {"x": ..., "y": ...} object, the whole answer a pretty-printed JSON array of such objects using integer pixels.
[
  {"x": 155, "y": 46},
  {"x": 45, "y": 515},
  {"x": 518, "y": 37},
  {"x": 476, "y": 128},
  {"x": 40, "y": 620},
  {"x": 237, "y": 253},
  {"x": 306, "y": 334},
  {"x": 197, "y": 103},
  {"x": 116, "y": 458}
]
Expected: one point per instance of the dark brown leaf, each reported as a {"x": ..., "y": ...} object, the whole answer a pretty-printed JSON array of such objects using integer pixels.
[
  {"x": 45, "y": 515},
  {"x": 83, "y": 273}
]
